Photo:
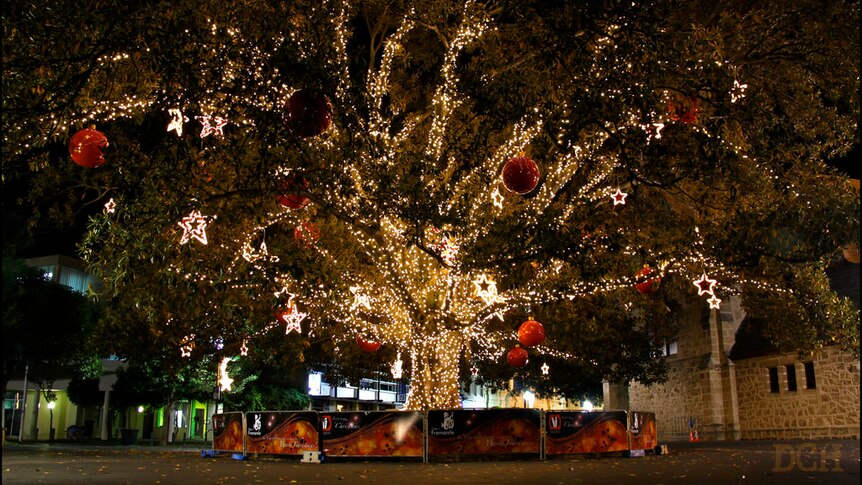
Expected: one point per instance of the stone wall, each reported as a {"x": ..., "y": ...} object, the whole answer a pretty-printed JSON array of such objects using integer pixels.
[{"x": 830, "y": 410}]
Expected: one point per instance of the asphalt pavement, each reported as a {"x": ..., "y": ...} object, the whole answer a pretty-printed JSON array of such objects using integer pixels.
[{"x": 703, "y": 463}]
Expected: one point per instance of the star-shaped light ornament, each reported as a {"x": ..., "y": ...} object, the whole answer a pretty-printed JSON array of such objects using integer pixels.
[
  {"x": 244, "y": 349},
  {"x": 619, "y": 197},
  {"x": 194, "y": 227},
  {"x": 486, "y": 289},
  {"x": 738, "y": 91},
  {"x": 177, "y": 120},
  {"x": 110, "y": 206},
  {"x": 212, "y": 125},
  {"x": 705, "y": 285},
  {"x": 545, "y": 368},
  {"x": 497, "y": 198},
  {"x": 714, "y": 303},
  {"x": 359, "y": 299},
  {"x": 449, "y": 250},
  {"x": 186, "y": 350},
  {"x": 396, "y": 367},
  {"x": 474, "y": 371},
  {"x": 292, "y": 317},
  {"x": 224, "y": 380}
]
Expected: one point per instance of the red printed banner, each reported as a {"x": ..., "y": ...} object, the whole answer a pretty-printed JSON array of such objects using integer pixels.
[
  {"x": 372, "y": 433},
  {"x": 569, "y": 432},
  {"x": 484, "y": 432},
  {"x": 642, "y": 431},
  {"x": 282, "y": 432},
  {"x": 228, "y": 432}
]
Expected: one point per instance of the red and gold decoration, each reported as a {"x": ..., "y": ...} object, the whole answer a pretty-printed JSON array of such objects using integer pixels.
[
  {"x": 531, "y": 333},
  {"x": 309, "y": 113},
  {"x": 306, "y": 234},
  {"x": 367, "y": 345},
  {"x": 520, "y": 175},
  {"x": 86, "y": 147},
  {"x": 517, "y": 357},
  {"x": 291, "y": 187},
  {"x": 646, "y": 283}
]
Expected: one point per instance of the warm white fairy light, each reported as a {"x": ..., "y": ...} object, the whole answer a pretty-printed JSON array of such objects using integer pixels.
[
  {"x": 738, "y": 91},
  {"x": 186, "y": 348},
  {"x": 224, "y": 380},
  {"x": 396, "y": 367},
  {"x": 194, "y": 227},
  {"x": 177, "y": 120},
  {"x": 486, "y": 288},
  {"x": 212, "y": 125}
]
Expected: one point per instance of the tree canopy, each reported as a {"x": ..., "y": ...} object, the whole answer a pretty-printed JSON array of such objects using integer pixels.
[{"x": 430, "y": 174}]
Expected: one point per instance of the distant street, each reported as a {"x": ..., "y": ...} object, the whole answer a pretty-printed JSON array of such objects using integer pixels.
[{"x": 705, "y": 463}]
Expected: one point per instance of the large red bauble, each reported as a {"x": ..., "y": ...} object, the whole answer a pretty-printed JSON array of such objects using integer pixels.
[
  {"x": 520, "y": 175},
  {"x": 291, "y": 186},
  {"x": 306, "y": 233},
  {"x": 86, "y": 146},
  {"x": 367, "y": 345},
  {"x": 309, "y": 113},
  {"x": 517, "y": 357},
  {"x": 531, "y": 333},
  {"x": 646, "y": 285}
]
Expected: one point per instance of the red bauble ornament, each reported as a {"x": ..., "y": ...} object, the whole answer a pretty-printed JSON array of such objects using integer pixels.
[
  {"x": 531, "y": 333},
  {"x": 309, "y": 113},
  {"x": 306, "y": 233},
  {"x": 367, "y": 345},
  {"x": 517, "y": 357},
  {"x": 290, "y": 198},
  {"x": 86, "y": 146},
  {"x": 646, "y": 285},
  {"x": 521, "y": 175}
]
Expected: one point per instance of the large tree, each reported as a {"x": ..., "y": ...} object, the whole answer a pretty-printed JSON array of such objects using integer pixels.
[{"x": 689, "y": 137}]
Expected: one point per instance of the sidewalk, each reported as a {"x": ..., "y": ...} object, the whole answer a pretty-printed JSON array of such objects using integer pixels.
[{"x": 703, "y": 463}]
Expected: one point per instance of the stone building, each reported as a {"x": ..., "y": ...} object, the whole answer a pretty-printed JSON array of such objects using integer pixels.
[{"x": 731, "y": 383}]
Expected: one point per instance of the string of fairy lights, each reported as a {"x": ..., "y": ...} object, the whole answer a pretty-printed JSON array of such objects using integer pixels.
[{"x": 407, "y": 296}]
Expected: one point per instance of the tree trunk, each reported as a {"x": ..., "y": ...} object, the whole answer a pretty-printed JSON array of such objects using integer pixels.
[
  {"x": 168, "y": 435},
  {"x": 434, "y": 380}
]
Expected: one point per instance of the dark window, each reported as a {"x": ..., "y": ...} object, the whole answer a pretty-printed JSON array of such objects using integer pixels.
[
  {"x": 810, "y": 381},
  {"x": 791, "y": 376},
  {"x": 773, "y": 379}
]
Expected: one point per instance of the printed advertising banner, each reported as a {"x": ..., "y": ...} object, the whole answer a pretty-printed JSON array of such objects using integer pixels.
[
  {"x": 372, "y": 433},
  {"x": 642, "y": 430},
  {"x": 570, "y": 432},
  {"x": 282, "y": 432},
  {"x": 484, "y": 432},
  {"x": 228, "y": 432}
]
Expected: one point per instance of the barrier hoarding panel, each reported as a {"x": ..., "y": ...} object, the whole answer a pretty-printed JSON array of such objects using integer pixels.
[
  {"x": 282, "y": 432},
  {"x": 569, "y": 432},
  {"x": 372, "y": 433},
  {"x": 229, "y": 432},
  {"x": 484, "y": 432},
  {"x": 642, "y": 430}
]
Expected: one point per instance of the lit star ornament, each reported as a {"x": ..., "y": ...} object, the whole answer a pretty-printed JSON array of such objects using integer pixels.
[
  {"x": 244, "y": 349},
  {"x": 213, "y": 125},
  {"x": 704, "y": 285},
  {"x": 545, "y": 368},
  {"x": 110, "y": 206},
  {"x": 497, "y": 198},
  {"x": 292, "y": 317},
  {"x": 194, "y": 227},
  {"x": 486, "y": 289},
  {"x": 714, "y": 302},
  {"x": 619, "y": 197},
  {"x": 177, "y": 120},
  {"x": 224, "y": 380},
  {"x": 186, "y": 350}
]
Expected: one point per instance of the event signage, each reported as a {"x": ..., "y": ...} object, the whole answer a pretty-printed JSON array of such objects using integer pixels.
[
  {"x": 372, "y": 433},
  {"x": 282, "y": 432},
  {"x": 642, "y": 430},
  {"x": 229, "y": 432},
  {"x": 484, "y": 431},
  {"x": 569, "y": 432}
]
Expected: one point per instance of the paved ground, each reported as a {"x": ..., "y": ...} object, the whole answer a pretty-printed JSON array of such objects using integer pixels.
[{"x": 705, "y": 463}]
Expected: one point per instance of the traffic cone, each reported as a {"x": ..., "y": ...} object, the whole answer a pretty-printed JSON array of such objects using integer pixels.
[
  {"x": 690, "y": 435},
  {"x": 696, "y": 438}
]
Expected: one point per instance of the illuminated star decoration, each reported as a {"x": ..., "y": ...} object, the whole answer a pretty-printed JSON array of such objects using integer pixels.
[
  {"x": 738, "y": 91},
  {"x": 704, "y": 285},
  {"x": 497, "y": 198},
  {"x": 244, "y": 349},
  {"x": 474, "y": 370},
  {"x": 396, "y": 367},
  {"x": 177, "y": 120},
  {"x": 449, "y": 250},
  {"x": 186, "y": 350},
  {"x": 213, "y": 125},
  {"x": 714, "y": 302},
  {"x": 110, "y": 206},
  {"x": 292, "y": 317},
  {"x": 224, "y": 380},
  {"x": 619, "y": 197},
  {"x": 194, "y": 226},
  {"x": 545, "y": 369},
  {"x": 359, "y": 299},
  {"x": 486, "y": 289}
]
